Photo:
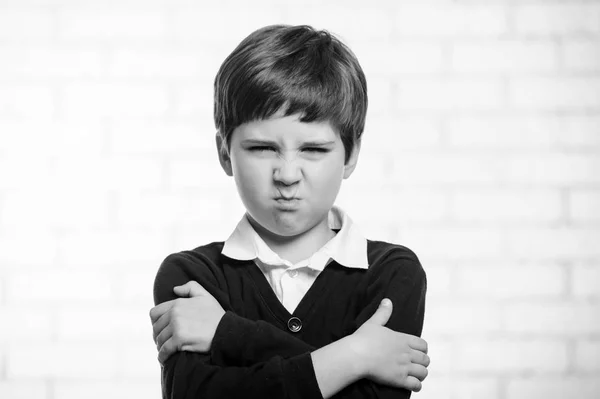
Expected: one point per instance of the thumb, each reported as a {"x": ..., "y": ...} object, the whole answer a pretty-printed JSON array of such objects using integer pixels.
[
  {"x": 382, "y": 314},
  {"x": 189, "y": 290}
]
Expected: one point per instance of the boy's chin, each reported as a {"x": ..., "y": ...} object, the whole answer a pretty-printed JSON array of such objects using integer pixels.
[{"x": 280, "y": 225}]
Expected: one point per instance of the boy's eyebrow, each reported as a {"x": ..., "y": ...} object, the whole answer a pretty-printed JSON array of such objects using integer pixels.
[{"x": 268, "y": 142}]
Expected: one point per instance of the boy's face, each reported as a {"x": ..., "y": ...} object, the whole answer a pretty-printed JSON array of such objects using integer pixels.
[{"x": 283, "y": 157}]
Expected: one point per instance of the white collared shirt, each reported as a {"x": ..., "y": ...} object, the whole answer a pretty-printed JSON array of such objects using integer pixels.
[{"x": 290, "y": 282}]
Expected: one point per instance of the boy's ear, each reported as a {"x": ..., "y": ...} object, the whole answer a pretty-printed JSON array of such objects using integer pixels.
[
  {"x": 224, "y": 158},
  {"x": 351, "y": 164}
]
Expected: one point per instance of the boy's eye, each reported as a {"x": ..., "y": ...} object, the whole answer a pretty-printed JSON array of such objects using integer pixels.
[
  {"x": 316, "y": 149},
  {"x": 261, "y": 148}
]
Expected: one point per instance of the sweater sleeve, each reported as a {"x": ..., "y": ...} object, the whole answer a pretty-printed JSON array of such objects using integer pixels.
[
  {"x": 190, "y": 375},
  {"x": 405, "y": 284}
]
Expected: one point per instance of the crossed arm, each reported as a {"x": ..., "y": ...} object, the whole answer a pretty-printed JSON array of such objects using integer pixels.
[{"x": 374, "y": 361}]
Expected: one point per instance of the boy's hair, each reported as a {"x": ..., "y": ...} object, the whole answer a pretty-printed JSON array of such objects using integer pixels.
[{"x": 296, "y": 69}]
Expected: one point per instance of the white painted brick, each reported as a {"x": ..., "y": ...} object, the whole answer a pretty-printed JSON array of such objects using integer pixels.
[
  {"x": 587, "y": 356},
  {"x": 28, "y": 324},
  {"x": 47, "y": 62},
  {"x": 564, "y": 318},
  {"x": 512, "y": 357},
  {"x": 450, "y": 94},
  {"x": 195, "y": 173},
  {"x": 548, "y": 19},
  {"x": 381, "y": 95},
  {"x": 375, "y": 22},
  {"x": 105, "y": 324},
  {"x": 450, "y": 317},
  {"x": 20, "y": 25},
  {"x": 584, "y": 206},
  {"x": 450, "y": 20},
  {"x": 85, "y": 24},
  {"x": 459, "y": 387},
  {"x": 23, "y": 389},
  {"x": 405, "y": 133},
  {"x": 581, "y": 54},
  {"x": 201, "y": 23},
  {"x": 551, "y": 93},
  {"x": 160, "y": 138},
  {"x": 442, "y": 352},
  {"x": 189, "y": 238},
  {"x": 552, "y": 168},
  {"x": 418, "y": 57},
  {"x": 502, "y": 282},
  {"x": 148, "y": 388},
  {"x": 552, "y": 387},
  {"x": 505, "y": 132},
  {"x": 136, "y": 209},
  {"x": 25, "y": 248},
  {"x": 26, "y": 101},
  {"x": 162, "y": 62},
  {"x": 120, "y": 172},
  {"x": 562, "y": 243},
  {"x": 374, "y": 174},
  {"x": 95, "y": 100},
  {"x": 440, "y": 280},
  {"x": 69, "y": 361},
  {"x": 196, "y": 100},
  {"x": 22, "y": 172},
  {"x": 448, "y": 243},
  {"x": 133, "y": 287},
  {"x": 43, "y": 139},
  {"x": 510, "y": 56},
  {"x": 52, "y": 287},
  {"x": 139, "y": 361},
  {"x": 444, "y": 167},
  {"x": 586, "y": 280},
  {"x": 114, "y": 249},
  {"x": 503, "y": 206},
  {"x": 64, "y": 208},
  {"x": 18, "y": 172},
  {"x": 581, "y": 130},
  {"x": 395, "y": 206}
]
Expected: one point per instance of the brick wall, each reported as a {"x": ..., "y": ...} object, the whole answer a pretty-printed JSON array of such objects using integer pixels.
[{"x": 481, "y": 151}]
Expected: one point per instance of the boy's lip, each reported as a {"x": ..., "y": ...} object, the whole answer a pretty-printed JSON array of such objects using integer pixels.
[{"x": 286, "y": 198}]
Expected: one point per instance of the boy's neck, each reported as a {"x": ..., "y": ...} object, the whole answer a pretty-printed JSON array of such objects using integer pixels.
[{"x": 296, "y": 248}]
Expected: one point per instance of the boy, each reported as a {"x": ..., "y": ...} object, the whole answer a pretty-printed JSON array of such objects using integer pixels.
[{"x": 296, "y": 303}]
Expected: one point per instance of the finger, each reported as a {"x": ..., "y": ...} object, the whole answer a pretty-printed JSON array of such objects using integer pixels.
[
  {"x": 190, "y": 289},
  {"x": 160, "y": 324},
  {"x": 168, "y": 349},
  {"x": 418, "y": 344},
  {"x": 382, "y": 314},
  {"x": 419, "y": 357},
  {"x": 412, "y": 383},
  {"x": 418, "y": 371},
  {"x": 165, "y": 335},
  {"x": 160, "y": 309}
]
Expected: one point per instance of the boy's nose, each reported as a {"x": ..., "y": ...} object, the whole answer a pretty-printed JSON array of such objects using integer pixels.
[{"x": 287, "y": 170}]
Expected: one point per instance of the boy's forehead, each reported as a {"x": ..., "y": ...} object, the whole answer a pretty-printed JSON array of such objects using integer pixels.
[{"x": 288, "y": 127}]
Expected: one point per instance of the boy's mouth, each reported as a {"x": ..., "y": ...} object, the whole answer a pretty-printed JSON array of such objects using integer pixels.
[
  {"x": 284, "y": 198},
  {"x": 287, "y": 203}
]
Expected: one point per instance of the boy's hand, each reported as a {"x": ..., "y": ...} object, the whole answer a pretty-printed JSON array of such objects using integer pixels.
[
  {"x": 185, "y": 324},
  {"x": 390, "y": 357}
]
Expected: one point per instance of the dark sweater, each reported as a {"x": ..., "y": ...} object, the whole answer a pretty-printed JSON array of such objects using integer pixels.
[{"x": 257, "y": 351}]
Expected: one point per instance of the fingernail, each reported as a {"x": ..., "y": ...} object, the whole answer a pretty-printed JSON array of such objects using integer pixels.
[{"x": 385, "y": 302}]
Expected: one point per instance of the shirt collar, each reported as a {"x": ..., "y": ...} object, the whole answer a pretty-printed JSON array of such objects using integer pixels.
[{"x": 348, "y": 247}]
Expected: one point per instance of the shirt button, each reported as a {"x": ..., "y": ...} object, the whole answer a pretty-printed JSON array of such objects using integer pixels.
[
  {"x": 294, "y": 324},
  {"x": 293, "y": 273}
]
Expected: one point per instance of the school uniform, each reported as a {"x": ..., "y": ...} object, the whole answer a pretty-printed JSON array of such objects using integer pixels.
[{"x": 277, "y": 313}]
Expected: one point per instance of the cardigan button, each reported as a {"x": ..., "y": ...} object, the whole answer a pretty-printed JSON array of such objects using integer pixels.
[{"x": 294, "y": 324}]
